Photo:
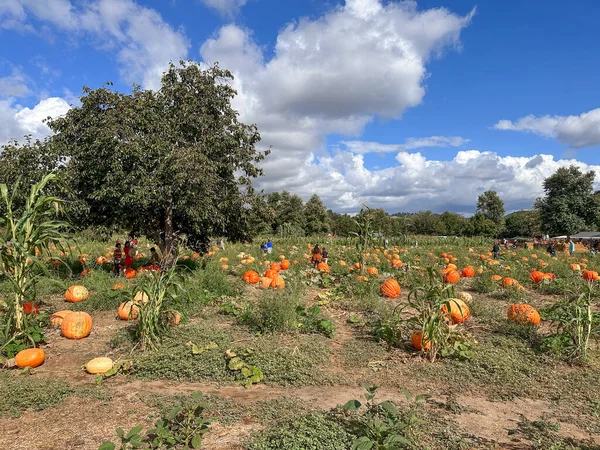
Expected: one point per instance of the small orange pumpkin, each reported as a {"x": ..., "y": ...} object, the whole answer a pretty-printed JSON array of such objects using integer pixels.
[
  {"x": 523, "y": 313},
  {"x": 323, "y": 267},
  {"x": 285, "y": 264},
  {"x": 372, "y": 271},
  {"x": 76, "y": 325},
  {"x": 278, "y": 283},
  {"x": 76, "y": 294},
  {"x": 536, "y": 276},
  {"x": 417, "y": 341},
  {"x": 250, "y": 276},
  {"x": 468, "y": 272},
  {"x": 128, "y": 311},
  {"x": 31, "y": 357},
  {"x": 129, "y": 273},
  {"x": 271, "y": 273},
  {"x": 452, "y": 277},
  {"x": 390, "y": 289},
  {"x": 118, "y": 286},
  {"x": 459, "y": 311},
  {"x": 99, "y": 365}
]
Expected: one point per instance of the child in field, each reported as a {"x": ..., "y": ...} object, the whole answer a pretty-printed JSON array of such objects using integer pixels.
[
  {"x": 317, "y": 256},
  {"x": 117, "y": 257},
  {"x": 128, "y": 256},
  {"x": 324, "y": 255}
]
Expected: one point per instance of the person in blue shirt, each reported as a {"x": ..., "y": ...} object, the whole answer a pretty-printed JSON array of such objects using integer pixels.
[
  {"x": 269, "y": 246},
  {"x": 571, "y": 247}
]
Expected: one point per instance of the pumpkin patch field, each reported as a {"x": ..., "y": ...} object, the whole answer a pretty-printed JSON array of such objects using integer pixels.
[{"x": 438, "y": 346}]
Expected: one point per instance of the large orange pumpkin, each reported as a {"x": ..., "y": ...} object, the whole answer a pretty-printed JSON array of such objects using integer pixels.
[
  {"x": 372, "y": 271},
  {"x": 390, "y": 289},
  {"x": 128, "y": 311},
  {"x": 536, "y": 276},
  {"x": 278, "y": 283},
  {"x": 31, "y": 357},
  {"x": 397, "y": 263},
  {"x": 417, "y": 341},
  {"x": 76, "y": 325},
  {"x": 76, "y": 294},
  {"x": 265, "y": 282},
  {"x": 129, "y": 273},
  {"x": 452, "y": 277},
  {"x": 57, "y": 318},
  {"x": 285, "y": 264},
  {"x": 468, "y": 272},
  {"x": 523, "y": 313},
  {"x": 459, "y": 311},
  {"x": 250, "y": 276},
  {"x": 508, "y": 282},
  {"x": 590, "y": 275}
]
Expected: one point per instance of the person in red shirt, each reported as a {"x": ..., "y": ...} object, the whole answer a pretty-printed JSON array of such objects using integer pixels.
[{"x": 128, "y": 255}]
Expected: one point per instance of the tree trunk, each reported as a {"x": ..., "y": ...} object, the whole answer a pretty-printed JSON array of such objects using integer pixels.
[{"x": 169, "y": 241}]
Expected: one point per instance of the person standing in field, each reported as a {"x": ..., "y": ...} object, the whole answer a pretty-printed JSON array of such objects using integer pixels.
[
  {"x": 571, "y": 247},
  {"x": 117, "y": 257},
  {"x": 222, "y": 244},
  {"x": 269, "y": 247},
  {"x": 316, "y": 256},
  {"x": 324, "y": 255},
  {"x": 496, "y": 250},
  {"x": 128, "y": 255}
]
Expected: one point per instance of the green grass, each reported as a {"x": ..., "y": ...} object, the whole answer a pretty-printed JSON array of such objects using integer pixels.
[
  {"x": 19, "y": 393},
  {"x": 284, "y": 360},
  {"x": 359, "y": 353}
]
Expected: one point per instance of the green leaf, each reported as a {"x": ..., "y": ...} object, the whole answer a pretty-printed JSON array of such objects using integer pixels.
[
  {"x": 135, "y": 430},
  {"x": 352, "y": 405},
  {"x": 197, "y": 350},
  {"x": 211, "y": 346},
  {"x": 389, "y": 407},
  {"x": 120, "y": 432},
  {"x": 396, "y": 440},
  {"x": 235, "y": 363},
  {"x": 362, "y": 443},
  {"x": 196, "y": 441},
  {"x": 107, "y": 446}
]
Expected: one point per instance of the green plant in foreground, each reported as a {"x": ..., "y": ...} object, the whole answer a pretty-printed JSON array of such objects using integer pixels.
[
  {"x": 381, "y": 426},
  {"x": 22, "y": 241},
  {"x": 575, "y": 325},
  {"x": 163, "y": 291},
  {"x": 183, "y": 427}
]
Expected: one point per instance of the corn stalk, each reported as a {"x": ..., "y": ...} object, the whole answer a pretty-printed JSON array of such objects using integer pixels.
[{"x": 25, "y": 238}]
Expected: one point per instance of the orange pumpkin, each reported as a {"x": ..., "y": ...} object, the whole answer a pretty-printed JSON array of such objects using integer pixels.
[
  {"x": 118, "y": 286},
  {"x": 390, "y": 289},
  {"x": 361, "y": 278},
  {"x": 285, "y": 264},
  {"x": 468, "y": 272},
  {"x": 76, "y": 325},
  {"x": 357, "y": 265},
  {"x": 76, "y": 294},
  {"x": 129, "y": 273},
  {"x": 270, "y": 273},
  {"x": 275, "y": 266},
  {"x": 590, "y": 275},
  {"x": 265, "y": 282},
  {"x": 508, "y": 282},
  {"x": 31, "y": 357},
  {"x": 250, "y": 276},
  {"x": 452, "y": 266},
  {"x": 372, "y": 271},
  {"x": 323, "y": 267},
  {"x": 452, "y": 277},
  {"x": 224, "y": 267},
  {"x": 417, "y": 341},
  {"x": 496, "y": 277},
  {"x": 459, "y": 311},
  {"x": 57, "y": 318},
  {"x": 397, "y": 263},
  {"x": 523, "y": 313},
  {"x": 128, "y": 310},
  {"x": 536, "y": 276},
  {"x": 342, "y": 263},
  {"x": 278, "y": 283}
]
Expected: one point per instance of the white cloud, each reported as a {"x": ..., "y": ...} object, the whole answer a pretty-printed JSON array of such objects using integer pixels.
[
  {"x": 227, "y": 8},
  {"x": 363, "y": 147},
  {"x": 14, "y": 85},
  {"x": 18, "y": 121},
  {"x": 417, "y": 183},
  {"x": 333, "y": 75},
  {"x": 143, "y": 42},
  {"x": 575, "y": 131}
]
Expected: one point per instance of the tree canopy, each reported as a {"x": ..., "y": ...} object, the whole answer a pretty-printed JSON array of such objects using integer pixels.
[
  {"x": 176, "y": 161},
  {"x": 569, "y": 205},
  {"x": 491, "y": 206}
]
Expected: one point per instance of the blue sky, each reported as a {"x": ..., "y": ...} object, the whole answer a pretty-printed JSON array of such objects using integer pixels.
[{"x": 389, "y": 103}]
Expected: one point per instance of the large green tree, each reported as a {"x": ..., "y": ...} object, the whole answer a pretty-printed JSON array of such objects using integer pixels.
[
  {"x": 426, "y": 222},
  {"x": 569, "y": 205},
  {"x": 171, "y": 162},
  {"x": 289, "y": 213},
  {"x": 315, "y": 216},
  {"x": 453, "y": 223},
  {"x": 491, "y": 206},
  {"x": 522, "y": 224}
]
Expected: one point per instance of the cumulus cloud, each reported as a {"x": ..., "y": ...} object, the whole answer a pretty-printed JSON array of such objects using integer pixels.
[
  {"x": 333, "y": 75},
  {"x": 575, "y": 131},
  {"x": 417, "y": 183},
  {"x": 227, "y": 8},
  {"x": 363, "y": 147},
  {"x": 143, "y": 42},
  {"x": 18, "y": 121}
]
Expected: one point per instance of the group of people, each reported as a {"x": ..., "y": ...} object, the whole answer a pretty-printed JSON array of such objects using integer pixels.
[
  {"x": 123, "y": 257},
  {"x": 267, "y": 247},
  {"x": 318, "y": 255},
  {"x": 550, "y": 249}
]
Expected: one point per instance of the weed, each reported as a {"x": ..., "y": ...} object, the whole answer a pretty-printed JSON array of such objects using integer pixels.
[{"x": 19, "y": 393}]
